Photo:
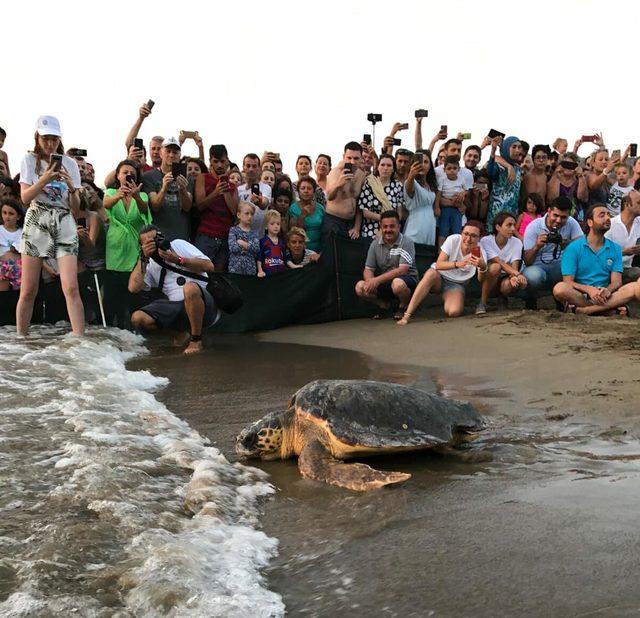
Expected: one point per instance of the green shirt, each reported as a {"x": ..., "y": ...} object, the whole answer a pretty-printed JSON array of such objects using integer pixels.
[
  {"x": 312, "y": 225},
  {"x": 123, "y": 245}
]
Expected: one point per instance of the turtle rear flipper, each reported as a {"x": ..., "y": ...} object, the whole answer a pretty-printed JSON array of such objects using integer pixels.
[{"x": 316, "y": 463}]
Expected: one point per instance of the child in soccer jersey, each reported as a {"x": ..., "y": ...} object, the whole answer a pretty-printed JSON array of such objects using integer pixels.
[{"x": 271, "y": 258}]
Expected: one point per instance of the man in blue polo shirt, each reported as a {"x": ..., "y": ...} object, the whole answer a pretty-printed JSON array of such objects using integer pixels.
[{"x": 592, "y": 271}]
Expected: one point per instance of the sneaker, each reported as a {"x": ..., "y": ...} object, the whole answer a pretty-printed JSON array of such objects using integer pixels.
[{"x": 481, "y": 309}]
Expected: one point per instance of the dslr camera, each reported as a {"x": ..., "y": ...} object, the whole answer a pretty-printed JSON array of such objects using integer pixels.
[
  {"x": 554, "y": 237},
  {"x": 162, "y": 242}
]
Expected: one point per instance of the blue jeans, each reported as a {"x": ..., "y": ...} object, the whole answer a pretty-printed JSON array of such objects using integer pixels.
[
  {"x": 216, "y": 249},
  {"x": 541, "y": 276}
]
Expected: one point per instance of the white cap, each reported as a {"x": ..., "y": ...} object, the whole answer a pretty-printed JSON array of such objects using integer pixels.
[
  {"x": 171, "y": 141},
  {"x": 48, "y": 125}
]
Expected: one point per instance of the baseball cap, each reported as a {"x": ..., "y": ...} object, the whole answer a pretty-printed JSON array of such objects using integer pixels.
[
  {"x": 171, "y": 141},
  {"x": 48, "y": 125}
]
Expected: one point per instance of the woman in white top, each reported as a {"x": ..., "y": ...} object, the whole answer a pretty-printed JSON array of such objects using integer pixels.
[
  {"x": 504, "y": 256},
  {"x": 49, "y": 183},
  {"x": 460, "y": 256}
]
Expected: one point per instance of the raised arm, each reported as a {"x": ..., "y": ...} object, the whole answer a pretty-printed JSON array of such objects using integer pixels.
[{"x": 143, "y": 112}]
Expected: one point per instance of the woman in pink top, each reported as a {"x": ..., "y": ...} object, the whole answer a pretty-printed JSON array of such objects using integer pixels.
[{"x": 533, "y": 209}]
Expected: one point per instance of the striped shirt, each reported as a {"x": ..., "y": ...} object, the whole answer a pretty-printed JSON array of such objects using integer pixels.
[{"x": 382, "y": 257}]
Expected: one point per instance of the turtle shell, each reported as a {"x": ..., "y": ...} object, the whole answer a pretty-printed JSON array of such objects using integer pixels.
[{"x": 384, "y": 415}]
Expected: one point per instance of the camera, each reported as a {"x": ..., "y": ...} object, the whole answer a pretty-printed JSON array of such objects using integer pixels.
[
  {"x": 554, "y": 237},
  {"x": 162, "y": 242}
]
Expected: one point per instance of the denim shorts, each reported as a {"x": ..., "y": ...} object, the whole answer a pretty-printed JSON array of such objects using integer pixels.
[{"x": 449, "y": 286}]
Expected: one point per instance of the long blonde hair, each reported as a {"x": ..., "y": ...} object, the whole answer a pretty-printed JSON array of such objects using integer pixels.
[{"x": 39, "y": 154}]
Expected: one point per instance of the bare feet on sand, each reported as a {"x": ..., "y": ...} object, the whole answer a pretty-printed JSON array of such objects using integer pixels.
[{"x": 194, "y": 347}]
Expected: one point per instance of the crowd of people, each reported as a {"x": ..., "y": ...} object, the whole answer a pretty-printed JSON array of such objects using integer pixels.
[{"x": 529, "y": 219}]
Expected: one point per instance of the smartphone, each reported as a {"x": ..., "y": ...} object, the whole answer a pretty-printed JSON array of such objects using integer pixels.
[
  {"x": 255, "y": 189},
  {"x": 348, "y": 167},
  {"x": 366, "y": 138},
  {"x": 223, "y": 178},
  {"x": 189, "y": 134},
  {"x": 374, "y": 117},
  {"x": 588, "y": 138},
  {"x": 633, "y": 150},
  {"x": 150, "y": 104},
  {"x": 404, "y": 126},
  {"x": 130, "y": 178},
  {"x": 615, "y": 154},
  {"x": 444, "y": 128},
  {"x": 466, "y": 136},
  {"x": 77, "y": 152},
  {"x": 56, "y": 162},
  {"x": 138, "y": 143},
  {"x": 82, "y": 222},
  {"x": 476, "y": 251},
  {"x": 178, "y": 169},
  {"x": 421, "y": 113},
  {"x": 494, "y": 133},
  {"x": 418, "y": 158},
  {"x": 397, "y": 141}
]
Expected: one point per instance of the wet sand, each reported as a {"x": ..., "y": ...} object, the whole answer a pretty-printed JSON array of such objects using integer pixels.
[{"x": 538, "y": 517}]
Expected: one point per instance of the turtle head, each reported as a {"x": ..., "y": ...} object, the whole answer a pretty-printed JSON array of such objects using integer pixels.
[{"x": 262, "y": 439}]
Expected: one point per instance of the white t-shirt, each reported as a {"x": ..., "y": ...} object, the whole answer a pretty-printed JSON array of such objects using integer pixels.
[
  {"x": 56, "y": 193},
  {"x": 623, "y": 237},
  {"x": 452, "y": 246},
  {"x": 9, "y": 239},
  {"x": 244, "y": 194},
  {"x": 449, "y": 187},
  {"x": 171, "y": 289},
  {"x": 510, "y": 253},
  {"x": 463, "y": 173},
  {"x": 616, "y": 193}
]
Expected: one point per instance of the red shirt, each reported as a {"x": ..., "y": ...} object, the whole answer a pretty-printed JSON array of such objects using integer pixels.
[{"x": 216, "y": 219}]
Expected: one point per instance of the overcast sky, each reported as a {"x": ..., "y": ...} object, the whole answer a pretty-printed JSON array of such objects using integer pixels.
[{"x": 300, "y": 77}]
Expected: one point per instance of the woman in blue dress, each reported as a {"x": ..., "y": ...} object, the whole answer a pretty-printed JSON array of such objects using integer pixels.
[
  {"x": 419, "y": 196},
  {"x": 506, "y": 175}
]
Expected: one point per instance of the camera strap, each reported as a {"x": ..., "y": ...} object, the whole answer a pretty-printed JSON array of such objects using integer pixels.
[{"x": 185, "y": 273}]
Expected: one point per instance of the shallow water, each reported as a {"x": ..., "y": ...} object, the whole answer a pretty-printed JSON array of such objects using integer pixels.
[
  {"x": 536, "y": 517},
  {"x": 110, "y": 504}
]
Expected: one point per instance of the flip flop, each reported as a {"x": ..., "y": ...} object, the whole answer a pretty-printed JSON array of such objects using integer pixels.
[
  {"x": 569, "y": 308},
  {"x": 623, "y": 311}
]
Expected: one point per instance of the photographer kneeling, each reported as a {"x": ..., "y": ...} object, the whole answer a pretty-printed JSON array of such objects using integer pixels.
[
  {"x": 544, "y": 241},
  {"x": 186, "y": 304}
]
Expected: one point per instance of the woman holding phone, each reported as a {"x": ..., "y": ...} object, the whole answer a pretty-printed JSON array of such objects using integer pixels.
[
  {"x": 419, "y": 197},
  {"x": 128, "y": 210},
  {"x": 460, "y": 257},
  {"x": 380, "y": 192},
  {"x": 49, "y": 183}
]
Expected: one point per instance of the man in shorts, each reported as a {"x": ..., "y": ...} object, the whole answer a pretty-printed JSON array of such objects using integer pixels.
[
  {"x": 186, "y": 305},
  {"x": 393, "y": 258}
]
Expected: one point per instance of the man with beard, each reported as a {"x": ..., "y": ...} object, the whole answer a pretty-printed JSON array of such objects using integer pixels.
[
  {"x": 592, "y": 271},
  {"x": 625, "y": 231},
  {"x": 217, "y": 202}
]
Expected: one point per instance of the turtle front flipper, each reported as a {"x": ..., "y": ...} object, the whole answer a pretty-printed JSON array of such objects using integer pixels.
[{"x": 316, "y": 463}]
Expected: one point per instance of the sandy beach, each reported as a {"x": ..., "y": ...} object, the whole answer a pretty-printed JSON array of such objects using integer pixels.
[{"x": 540, "y": 362}]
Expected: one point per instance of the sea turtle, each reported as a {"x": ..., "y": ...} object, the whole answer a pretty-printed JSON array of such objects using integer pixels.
[{"x": 331, "y": 420}]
